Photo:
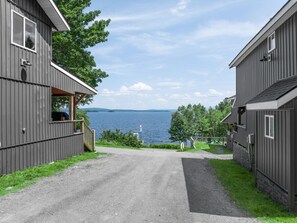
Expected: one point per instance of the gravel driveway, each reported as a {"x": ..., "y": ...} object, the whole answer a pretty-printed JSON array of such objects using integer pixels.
[{"x": 127, "y": 186}]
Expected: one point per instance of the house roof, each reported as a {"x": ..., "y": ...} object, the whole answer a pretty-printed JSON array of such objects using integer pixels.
[
  {"x": 276, "y": 21},
  {"x": 54, "y": 15},
  {"x": 275, "y": 96}
]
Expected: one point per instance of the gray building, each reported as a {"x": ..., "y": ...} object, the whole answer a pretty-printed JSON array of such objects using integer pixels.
[
  {"x": 264, "y": 115},
  {"x": 29, "y": 132}
]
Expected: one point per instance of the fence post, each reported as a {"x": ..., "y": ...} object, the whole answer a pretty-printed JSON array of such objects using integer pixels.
[{"x": 82, "y": 125}]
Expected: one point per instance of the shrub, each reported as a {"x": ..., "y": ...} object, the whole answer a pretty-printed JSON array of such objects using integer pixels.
[
  {"x": 121, "y": 138},
  {"x": 164, "y": 146}
]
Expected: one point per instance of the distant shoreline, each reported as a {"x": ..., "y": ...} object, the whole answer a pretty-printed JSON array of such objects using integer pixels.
[{"x": 124, "y": 110}]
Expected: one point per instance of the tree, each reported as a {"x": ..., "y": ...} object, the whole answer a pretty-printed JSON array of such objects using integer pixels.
[
  {"x": 178, "y": 128},
  {"x": 214, "y": 117},
  {"x": 195, "y": 120},
  {"x": 70, "y": 49},
  {"x": 191, "y": 121}
]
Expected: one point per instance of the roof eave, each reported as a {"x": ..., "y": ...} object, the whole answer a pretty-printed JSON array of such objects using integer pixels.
[
  {"x": 274, "y": 104},
  {"x": 54, "y": 14},
  {"x": 281, "y": 16}
]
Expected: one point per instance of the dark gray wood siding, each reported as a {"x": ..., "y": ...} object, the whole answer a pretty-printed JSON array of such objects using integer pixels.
[
  {"x": 273, "y": 155},
  {"x": 253, "y": 76},
  {"x": 11, "y": 55},
  {"x": 21, "y": 157},
  {"x": 27, "y": 135},
  {"x": 27, "y": 106},
  {"x": 240, "y": 136}
]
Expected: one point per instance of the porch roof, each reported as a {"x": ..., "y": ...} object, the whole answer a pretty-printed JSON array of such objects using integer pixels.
[
  {"x": 275, "y": 96},
  {"x": 231, "y": 118},
  {"x": 63, "y": 80}
]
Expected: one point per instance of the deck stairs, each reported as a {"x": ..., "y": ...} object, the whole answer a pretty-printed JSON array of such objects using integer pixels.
[{"x": 89, "y": 137}]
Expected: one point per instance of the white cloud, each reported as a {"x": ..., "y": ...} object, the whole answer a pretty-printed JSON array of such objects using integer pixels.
[
  {"x": 136, "y": 88},
  {"x": 200, "y": 95},
  {"x": 211, "y": 93},
  {"x": 181, "y": 6},
  {"x": 214, "y": 93},
  {"x": 140, "y": 87},
  {"x": 170, "y": 84},
  {"x": 107, "y": 92}
]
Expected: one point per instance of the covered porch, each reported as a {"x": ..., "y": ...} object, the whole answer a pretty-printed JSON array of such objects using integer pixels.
[{"x": 69, "y": 90}]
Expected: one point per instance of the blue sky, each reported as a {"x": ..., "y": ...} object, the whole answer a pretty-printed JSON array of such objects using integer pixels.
[{"x": 163, "y": 54}]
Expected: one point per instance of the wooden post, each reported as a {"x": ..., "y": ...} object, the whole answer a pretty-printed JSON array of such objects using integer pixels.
[
  {"x": 82, "y": 126},
  {"x": 71, "y": 103},
  {"x": 94, "y": 138}
]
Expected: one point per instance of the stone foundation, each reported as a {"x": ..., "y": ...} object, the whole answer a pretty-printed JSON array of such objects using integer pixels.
[
  {"x": 241, "y": 156},
  {"x": 272, "y": 189}
]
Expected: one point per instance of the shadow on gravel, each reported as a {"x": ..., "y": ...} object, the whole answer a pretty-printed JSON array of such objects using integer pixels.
[{"x": 205, "y": 193}]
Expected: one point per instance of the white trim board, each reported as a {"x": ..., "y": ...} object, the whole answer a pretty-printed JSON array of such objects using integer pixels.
[
  {"x": 73, "y": 77},
  {"x": 272, "y": 105},
  {"x": 285, "y": 13},
  {"x": 227, "y": 116},
  {"x": 52, "y": 11}
]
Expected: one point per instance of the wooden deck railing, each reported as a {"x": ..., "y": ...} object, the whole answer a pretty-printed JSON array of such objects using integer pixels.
[{"x": 89, "y": 137}]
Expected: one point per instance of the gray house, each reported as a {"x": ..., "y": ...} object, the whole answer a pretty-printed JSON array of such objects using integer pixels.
[
  {"x": 28, "y": 82},
  {"x": 264, "y": 115}
]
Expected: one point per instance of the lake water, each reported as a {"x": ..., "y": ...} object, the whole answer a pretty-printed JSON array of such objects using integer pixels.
[{"x": 155, "y": 125}]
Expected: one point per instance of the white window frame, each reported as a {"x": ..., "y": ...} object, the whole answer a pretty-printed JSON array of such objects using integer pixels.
[
  {"x": 273, "y": 46},
  {"x": 269, "y": 135},
  {"x": 24, "y": 29}
]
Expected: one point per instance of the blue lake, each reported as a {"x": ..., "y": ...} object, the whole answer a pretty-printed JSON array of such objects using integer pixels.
[{"x": 155, "y": 125}]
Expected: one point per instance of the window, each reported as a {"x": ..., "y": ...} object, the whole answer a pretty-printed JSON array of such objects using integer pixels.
[
  {"x": 23, "y": 32},
  {"x": 241, "y": 116},
  {"x": 271, "y": 42},
  {"x": 269, "y": 126}
]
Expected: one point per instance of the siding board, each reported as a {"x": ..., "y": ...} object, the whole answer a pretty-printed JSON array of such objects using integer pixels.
[{"x": 273, "y": 154}]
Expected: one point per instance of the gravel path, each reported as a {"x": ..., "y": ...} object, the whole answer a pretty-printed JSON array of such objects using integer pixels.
[{"x": 127, "y": 186}]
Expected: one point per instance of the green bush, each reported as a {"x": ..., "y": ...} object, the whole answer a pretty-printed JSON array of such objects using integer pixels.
[
  {"x": 121, "y": 138},
  {"x": 164, "y": 146}
]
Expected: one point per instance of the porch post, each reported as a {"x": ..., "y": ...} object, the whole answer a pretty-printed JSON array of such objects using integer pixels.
[{"x": 71, "y": 111}]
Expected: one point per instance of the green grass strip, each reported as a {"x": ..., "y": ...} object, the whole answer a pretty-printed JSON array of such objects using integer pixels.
[
  {"x": 213, "y": 149},
  {"x": 16, "y": 181},
  {"x": 241, "y": 186}
]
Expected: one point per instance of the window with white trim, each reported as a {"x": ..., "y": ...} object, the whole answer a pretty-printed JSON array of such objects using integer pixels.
[
  {"x": 23, "y": 32},
  {"x": 271, "y": 42},
  {"x": 269, "y": 126}
]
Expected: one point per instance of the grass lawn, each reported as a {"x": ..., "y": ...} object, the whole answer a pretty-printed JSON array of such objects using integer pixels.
[
  {"x": 105, "y": 143},
  {"x": 16, "y": 181},
  {"x": 212, "y": 148},
  {"x": 241, "y": 186},
  {"x": 218, "y": 149}
]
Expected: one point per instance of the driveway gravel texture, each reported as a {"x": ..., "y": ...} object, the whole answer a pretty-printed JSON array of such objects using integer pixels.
[{"x": 129, "y": 186}]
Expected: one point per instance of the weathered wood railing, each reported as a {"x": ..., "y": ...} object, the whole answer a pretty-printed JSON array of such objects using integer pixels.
[
  {"x": 89, "y": 137},
  {"x": 88, "y": 134}
]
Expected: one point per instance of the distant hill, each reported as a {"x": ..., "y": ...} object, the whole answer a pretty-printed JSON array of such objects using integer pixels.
[{"x": 125, "y": 110}]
